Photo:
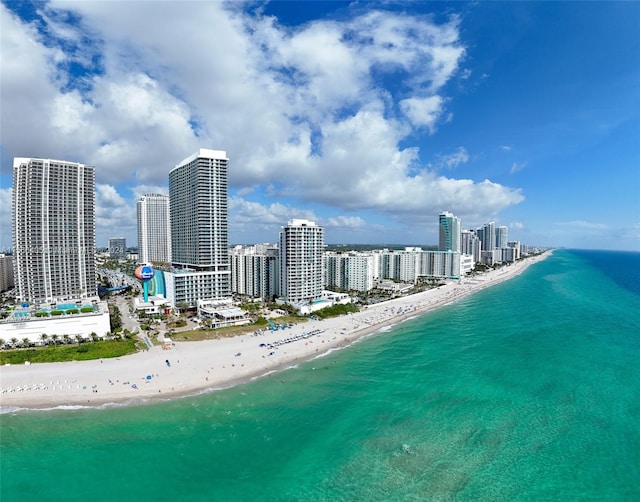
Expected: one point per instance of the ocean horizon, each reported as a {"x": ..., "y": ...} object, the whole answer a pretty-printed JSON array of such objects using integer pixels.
[{"x": 525, "y": 391}]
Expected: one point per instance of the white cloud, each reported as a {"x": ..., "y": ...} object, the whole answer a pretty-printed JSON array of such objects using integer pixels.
[
  {"x": 247, "y": 215},
  {"x": 517, "y": 166},
  {"x": 301, "y": 109},
  {"x": 115, "y": 217},
  {"x": 632, "y": 233},
  {"x": 423, "y": 112},
  {"x": 453, "y": 160},
  {"x": 345, "y": 222}
]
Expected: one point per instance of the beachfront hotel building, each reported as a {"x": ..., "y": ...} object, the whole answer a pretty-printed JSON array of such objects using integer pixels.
[
  {"x": 349, "y": 271},
  {"x": 199, "y": 229},
  {"x": 154, "y": 228},
  {"x": 254, "y": 271},
  {"x": 301, "y": 248},
  {"x": 53, "y": 230},
  {"x": 470, "y": 244},
  {"x": 440, "y": 264},
  {"x": 450, "y": 232},
  {"x": 487, "y": 235},
  {"x": 501, "y": 237}
]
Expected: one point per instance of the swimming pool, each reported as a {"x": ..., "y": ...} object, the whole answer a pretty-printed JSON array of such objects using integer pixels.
[{"x": 67, "y": 306}]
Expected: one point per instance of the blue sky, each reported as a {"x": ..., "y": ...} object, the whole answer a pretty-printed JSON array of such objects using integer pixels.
[{"x": 369, "y": 118}]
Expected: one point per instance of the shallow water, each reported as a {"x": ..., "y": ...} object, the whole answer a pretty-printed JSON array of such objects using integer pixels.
[{"x": 528, "y": 390}]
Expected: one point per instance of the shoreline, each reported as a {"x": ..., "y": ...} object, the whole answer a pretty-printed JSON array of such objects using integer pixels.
[{"x": 196, "y": 368}]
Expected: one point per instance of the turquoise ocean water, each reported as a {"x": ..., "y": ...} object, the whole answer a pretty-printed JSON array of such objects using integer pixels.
[{"x": 529, "y": 390}]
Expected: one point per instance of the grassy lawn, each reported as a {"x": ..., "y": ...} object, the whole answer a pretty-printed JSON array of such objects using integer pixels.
[{"x": 103, "y": 349}]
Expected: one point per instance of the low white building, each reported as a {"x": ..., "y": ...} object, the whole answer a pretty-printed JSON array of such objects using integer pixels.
[
  {"x": 467, "y": 264},
  {"x": 156, "y": 305},
  {"x": 222, "y": 313},
  {"x": 328, "y": 299},
  {"x": 33, "y": 322},
  {"x": 336, "y": 298}
]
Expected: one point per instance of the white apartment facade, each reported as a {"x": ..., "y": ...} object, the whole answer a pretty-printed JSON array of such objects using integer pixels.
[
  {"x": 349, "y": 271},
  {"x": 471, "y": 245},
  {"x": 53, "y": 230},
  {"x": 198, "y": 191},
  {"x": 254, "y": 271},
  {"x": 301, "y": 246},
  {"x": 154, "y": 228},
  {"x": 502, "y": 233}
]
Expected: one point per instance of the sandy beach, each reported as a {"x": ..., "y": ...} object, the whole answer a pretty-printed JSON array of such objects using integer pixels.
[{"x": 194, "y": 367}]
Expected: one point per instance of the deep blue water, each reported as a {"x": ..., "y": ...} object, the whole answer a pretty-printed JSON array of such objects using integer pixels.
[
  {"x": 526, "y": 391},
  {"x": 621, "y": 266}
]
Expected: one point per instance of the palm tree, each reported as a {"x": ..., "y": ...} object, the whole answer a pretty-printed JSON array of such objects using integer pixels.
[
  {"x": 2, "y": 342},
  {"x": 44, "y": 337},
  {"x": 66, "y": 338},
  {"x": 14, "y": 341},
  {"x": 25, "y": 342},
  {"x": 55, "y": 339},
  {"x": 79, "y": 338}
]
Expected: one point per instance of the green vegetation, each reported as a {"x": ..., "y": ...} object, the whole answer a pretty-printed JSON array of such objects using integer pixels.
[
  {"x": 251, "y": 307},
  {"x": 261, "y": 321},
  {"x": 115, "y": 317},
  {"x": 178, "y": 323},
  {"x": 335, "y": 311},
  {"x": 103, "y": 349}
]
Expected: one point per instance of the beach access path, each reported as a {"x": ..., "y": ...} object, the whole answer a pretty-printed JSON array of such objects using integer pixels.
[{"x": 189, "y": 368}]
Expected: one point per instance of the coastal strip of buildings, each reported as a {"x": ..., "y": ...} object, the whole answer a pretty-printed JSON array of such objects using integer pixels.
[{"x": 185, "y": 236}]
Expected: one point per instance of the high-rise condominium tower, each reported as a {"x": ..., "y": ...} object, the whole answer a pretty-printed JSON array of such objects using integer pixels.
[
  {"x": 301, "y": 248},
  {"x": 449, "y": 232},
  {"x": 154, "y": 228},
  {"x": 53, "y": 214},
  {"x": 487, "y": 234},
  {"x": 199, "y": 220},
  {"x": 501, "y": 236}
]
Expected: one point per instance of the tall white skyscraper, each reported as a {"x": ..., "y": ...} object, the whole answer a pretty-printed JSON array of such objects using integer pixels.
[
  {"x": 450, "y": 232},
  {"x": 54, "y": 237},
  {"x": 487, "y": 234},
  {"x": 199, "y": 226},
  {"x": 301, "y": 248},
  {"x": 501, "y": 236},
  {"x": 154, "y": 228}
]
